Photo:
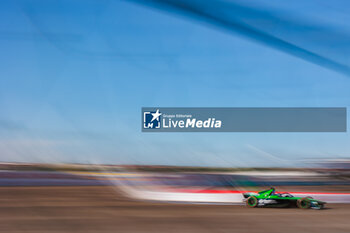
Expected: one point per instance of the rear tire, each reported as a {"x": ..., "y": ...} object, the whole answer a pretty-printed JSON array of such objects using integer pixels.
[
  {"x": 304, "y": 203},
  {"x": 252, "y": 202}
]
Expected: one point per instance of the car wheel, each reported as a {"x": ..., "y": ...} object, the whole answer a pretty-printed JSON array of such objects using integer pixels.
[
  {"x": 304, "y": 203},
  {"x": 252, "y": 202}
]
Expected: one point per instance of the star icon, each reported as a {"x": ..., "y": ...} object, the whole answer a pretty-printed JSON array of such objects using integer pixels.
[{"x": 156, "y": 115}]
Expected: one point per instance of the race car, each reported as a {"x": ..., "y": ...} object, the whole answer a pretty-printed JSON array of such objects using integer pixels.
[{"x": 269, "y": 197}]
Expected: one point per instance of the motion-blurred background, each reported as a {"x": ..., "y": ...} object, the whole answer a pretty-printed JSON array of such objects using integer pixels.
[{"x": 75, "y": 74}]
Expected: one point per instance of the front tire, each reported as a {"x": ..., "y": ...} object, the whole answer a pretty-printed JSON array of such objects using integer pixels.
[
  {"x": 252, "y": 202},
  {"x": 304, "y": 203}
]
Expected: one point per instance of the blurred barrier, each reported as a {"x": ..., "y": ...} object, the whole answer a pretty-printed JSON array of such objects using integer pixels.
[{"x": 221, "y": 196}]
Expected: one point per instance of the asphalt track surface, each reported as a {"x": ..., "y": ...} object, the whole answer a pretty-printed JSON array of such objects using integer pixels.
[{"x": 101, "y": 209}]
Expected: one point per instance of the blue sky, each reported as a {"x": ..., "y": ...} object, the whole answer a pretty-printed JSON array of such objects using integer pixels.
[{"x": 75, "y": 74}]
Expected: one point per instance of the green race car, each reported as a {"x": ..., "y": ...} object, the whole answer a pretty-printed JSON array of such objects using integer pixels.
[{"x": 271, "y": 198}]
